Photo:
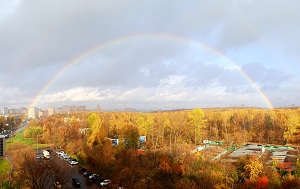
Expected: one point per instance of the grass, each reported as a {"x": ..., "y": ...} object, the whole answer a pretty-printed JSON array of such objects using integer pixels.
[
  {"x": 5, "y": 167},
  {"x": 19, "y": 138}
]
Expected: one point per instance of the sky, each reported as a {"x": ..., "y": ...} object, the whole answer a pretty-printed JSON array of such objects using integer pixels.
[{"x": 149, "y": 54}]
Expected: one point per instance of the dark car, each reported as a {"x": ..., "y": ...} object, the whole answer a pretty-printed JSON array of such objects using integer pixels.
[
  {"x": 76, "y": 182},
  {"x": 82, "y": 170},
  {"x": 87, "y": 173},
  {"x": 94, "y": 177}
]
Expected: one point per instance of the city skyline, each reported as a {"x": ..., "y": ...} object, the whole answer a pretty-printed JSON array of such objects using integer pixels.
[{"x": 149, "y": 55}]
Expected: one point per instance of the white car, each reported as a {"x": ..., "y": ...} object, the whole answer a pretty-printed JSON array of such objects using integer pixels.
[
  {"x": 57, "y": 184},
  {"x": 65, "y": 156},
  {"x": 72, "y": 162},
  {"x": 105, "y": 182},
  {"x": 39, "y": 156},
  {"x": 60, "y": 152}
]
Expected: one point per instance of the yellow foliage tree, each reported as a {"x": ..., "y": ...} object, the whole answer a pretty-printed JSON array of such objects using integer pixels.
[
  {"x": 197, "y": 119},
  {"x": 97, "y": 131},
  {"x": 254, "y": 169}
]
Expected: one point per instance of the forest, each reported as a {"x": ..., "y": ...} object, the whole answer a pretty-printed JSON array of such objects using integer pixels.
[{"x": 164, "y": 160}]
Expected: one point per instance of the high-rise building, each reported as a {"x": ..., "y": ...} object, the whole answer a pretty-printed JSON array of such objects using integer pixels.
[
  {"x": 43, "y": 113},
  {"x": 66, "y": 109},
  {"x": 51, "y": 111},
  {"x": 59, "y": 110},
  {"x": 3, "y": 111},
  {"x": 33, "y": 112}
]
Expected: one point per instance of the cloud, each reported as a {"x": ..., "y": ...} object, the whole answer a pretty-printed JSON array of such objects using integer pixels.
[
  {"x": 265, "y": 77},
  {"x": 148, "y": 53}
]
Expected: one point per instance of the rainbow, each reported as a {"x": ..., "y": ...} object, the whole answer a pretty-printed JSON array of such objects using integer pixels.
[{"x": 103, "y": 45}]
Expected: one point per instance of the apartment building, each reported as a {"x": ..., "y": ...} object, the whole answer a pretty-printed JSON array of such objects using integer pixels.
[
  {"x": 51, "y": 111},
  {"x": 33, "y": 112},
  {"x": 3, "y": 111}
]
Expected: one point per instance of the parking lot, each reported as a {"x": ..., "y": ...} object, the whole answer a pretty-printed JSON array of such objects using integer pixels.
[{"x": 75, "y": 173}]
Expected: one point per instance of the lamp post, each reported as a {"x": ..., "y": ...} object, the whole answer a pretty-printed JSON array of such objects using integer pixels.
[{"x": 37, "y": 144}]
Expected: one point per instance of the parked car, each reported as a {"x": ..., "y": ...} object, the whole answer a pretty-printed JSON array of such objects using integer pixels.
[
  {"x": 60, "y": 152},
  {"x": 105, "y": 182},
  {"x": 87, "y": 173},
  {"x": 94, "y": 177},
  {"x": 82, "y": 170},
  {"x": 57, "y": 184},
  {"x": 65, "y": 156},
  {"x": 99, "y": 180},
  {"x": 76, "y": 182},
  {"x": 74, "y": 162},
  {"x": 39, "y": 156}
]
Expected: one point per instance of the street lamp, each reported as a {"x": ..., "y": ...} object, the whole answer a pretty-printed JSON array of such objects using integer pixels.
[
  {"x": 37, "y": 144},
  {"x": 10, "y": 127}
]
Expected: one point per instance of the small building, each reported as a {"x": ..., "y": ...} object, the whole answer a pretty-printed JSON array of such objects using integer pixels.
[{"x": 2, "y": 145}]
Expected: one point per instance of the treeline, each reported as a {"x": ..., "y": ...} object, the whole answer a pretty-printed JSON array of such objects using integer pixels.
[
  {"x": 10, "y": 122},
  {"x": 167, "y": 162},
  {"x": 172, "y": 129}
]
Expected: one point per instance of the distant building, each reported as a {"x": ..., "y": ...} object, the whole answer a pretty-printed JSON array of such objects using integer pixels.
[
  {"x": 59, "y": 110},
  {"x": 33, "y": 112},
  {"x": 73, "y": 108},
  {"x": 13, "y": 111},
  {"x": 81, "y": 108},
  {"x": 66, "y": 109},
  {"x": 24, "y": 110},
  {"x": 51, "y": 111},
  {"x": 43, "y": 113},
  {"x": 3, "y": 110}
]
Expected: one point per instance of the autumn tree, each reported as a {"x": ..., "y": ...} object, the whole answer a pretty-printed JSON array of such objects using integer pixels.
[
  {"x": 131, "y": 135},
  {"x": 34, "y": 173},
  {"x": 32, "y": 131},
  {"x": 291, "y": 127},
  {"x": 253, "y": 170},
  {"x": 198, "y": 121},
  {"x": 98, "y": 133}
]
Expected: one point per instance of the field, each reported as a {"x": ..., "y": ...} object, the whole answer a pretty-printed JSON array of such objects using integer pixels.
[
  {"x": 4, "y": 167},
  {"x": 19, "y": 138}
]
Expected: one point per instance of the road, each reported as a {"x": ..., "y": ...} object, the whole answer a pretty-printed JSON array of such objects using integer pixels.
[
  {"x": 85, "y": 183},
  {"x": 74, "y": 169}
]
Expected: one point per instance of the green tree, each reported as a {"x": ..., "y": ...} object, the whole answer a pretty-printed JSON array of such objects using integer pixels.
[
  {"x": 33, "y": 131},
  {"x": 131, "y": 135}
]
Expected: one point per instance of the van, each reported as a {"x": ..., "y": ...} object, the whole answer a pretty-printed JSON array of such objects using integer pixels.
[{"x": 46, "y": 154}]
